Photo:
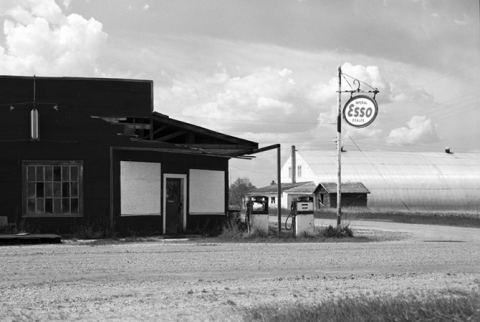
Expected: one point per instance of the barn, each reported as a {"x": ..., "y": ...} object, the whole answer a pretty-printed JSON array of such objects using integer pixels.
[
  {"x": 354, "y": 194},
  {"x": 443, "y": 180},
  {"x": 92, "y": 152}
]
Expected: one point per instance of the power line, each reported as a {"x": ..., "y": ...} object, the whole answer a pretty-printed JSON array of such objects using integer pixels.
[{"x": 448, "y": 75}]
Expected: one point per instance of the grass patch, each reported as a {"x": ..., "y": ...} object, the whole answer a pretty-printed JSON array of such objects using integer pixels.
[
  {"x": 237, "y": 232},
  {"x": 23, "y": 227},
  {"x": 470, "y": 219},
  {"x": 459, "y": 306}
]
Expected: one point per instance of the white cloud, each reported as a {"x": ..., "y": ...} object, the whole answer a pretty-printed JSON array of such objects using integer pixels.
[
  {"x": 265, "y": 98},
  {"x": 420, "y": 130},
  {"x": 370, "y": 75},
  {"x": 66, "y": 3},
  {"x": 465, "y": 21},
  {"x": 145, "y": 7},
  {"x": 40, "y": 39},
  {"x": 321, "y": 93},
  {"x": 402, "y": 91},
  {"x": 362, "y": 133}
]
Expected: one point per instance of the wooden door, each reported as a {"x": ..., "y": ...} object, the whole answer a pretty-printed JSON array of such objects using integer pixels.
[{"x": 173, "y": 206}]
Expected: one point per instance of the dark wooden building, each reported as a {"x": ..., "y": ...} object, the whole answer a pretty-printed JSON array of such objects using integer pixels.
[
  {"x": 92, "y": 152},
  {"x": 354, "y": 194}
]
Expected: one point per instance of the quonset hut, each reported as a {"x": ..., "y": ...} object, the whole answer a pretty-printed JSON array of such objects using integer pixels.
[{"x": 408, "y": 180}]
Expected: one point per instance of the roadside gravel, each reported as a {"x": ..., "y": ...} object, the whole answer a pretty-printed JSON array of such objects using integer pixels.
[{"x": 203, "y": 281}]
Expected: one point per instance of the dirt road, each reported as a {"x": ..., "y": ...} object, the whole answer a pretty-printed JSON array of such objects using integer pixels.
[{"x": 192, "y": 281}]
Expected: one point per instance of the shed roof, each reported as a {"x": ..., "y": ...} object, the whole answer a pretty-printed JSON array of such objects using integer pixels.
[{"x": 347, "y": 187}]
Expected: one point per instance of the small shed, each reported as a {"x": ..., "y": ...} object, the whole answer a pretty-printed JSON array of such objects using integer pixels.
[{"x": 354, "y": 194}]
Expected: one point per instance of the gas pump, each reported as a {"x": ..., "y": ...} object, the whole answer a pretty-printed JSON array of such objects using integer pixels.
[
  {"x": 301, "y": 211},
  {"x": 256, "y": 217}
]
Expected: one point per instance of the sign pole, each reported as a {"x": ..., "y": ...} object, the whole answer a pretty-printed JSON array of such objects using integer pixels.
[{"x": 339, "y": 150}]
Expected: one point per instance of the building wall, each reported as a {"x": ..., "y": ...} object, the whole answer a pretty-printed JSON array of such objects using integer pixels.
[
  {"x": 348, "y": 200},
  {"x": 95, "y": 184},
  {"x": 171, "y": 163},
  {"x": 66, "y": 134},
  {"x": 304, "y": 175}
]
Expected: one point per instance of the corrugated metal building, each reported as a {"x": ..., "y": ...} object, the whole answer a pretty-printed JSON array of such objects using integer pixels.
[{"x": 408, "y": 180}]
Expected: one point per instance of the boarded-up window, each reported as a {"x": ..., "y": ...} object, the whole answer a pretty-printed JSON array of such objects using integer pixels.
[
  {"x": 140, "y": 188},
  {"x": 207, "y": 192}
]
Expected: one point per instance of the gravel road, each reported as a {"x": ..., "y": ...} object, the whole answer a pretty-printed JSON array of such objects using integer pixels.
[{"x": 203, "y": 281}]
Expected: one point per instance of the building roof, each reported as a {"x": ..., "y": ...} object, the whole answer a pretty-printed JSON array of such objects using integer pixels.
[
  {"x": 347, "y": 187},
  {"x": 299, "y": 188},
  {"x": 125, "y": 106},
  {"x": 306, "y": 188}
]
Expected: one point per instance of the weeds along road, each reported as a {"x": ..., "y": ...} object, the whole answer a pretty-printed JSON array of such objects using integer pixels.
[{"x": 193, "y": 281}]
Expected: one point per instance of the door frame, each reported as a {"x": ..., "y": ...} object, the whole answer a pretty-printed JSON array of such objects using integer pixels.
[{"x": 183, "y": 188}]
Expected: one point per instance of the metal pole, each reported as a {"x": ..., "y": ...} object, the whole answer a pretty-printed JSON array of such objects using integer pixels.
[
  {"x": 294, "y": 166},
  {"x": 279, "y": 191},
  {"x": 339, "y": 150}
]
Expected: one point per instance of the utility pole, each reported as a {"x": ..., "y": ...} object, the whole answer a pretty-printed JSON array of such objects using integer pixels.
[
  {"x": 339, "y": 150},
  {"x": 294, "y": 165},
  {"x": 279, "y": 190}
]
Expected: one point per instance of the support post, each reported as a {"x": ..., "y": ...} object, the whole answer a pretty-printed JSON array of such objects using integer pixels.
[
  {"x": 339, "y": 150},
  {"x": 279, "y": 191}
]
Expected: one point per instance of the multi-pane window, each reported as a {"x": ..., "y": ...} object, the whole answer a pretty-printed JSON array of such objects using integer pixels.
[
  {"x": 53, "y": 188},
  {"x": 299, "y": 171}
]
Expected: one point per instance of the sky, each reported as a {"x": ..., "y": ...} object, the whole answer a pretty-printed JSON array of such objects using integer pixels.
[{"x": 266, "y": 70}]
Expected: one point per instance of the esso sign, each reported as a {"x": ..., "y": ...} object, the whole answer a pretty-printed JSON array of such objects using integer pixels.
[{"x": 360, "y": 111}]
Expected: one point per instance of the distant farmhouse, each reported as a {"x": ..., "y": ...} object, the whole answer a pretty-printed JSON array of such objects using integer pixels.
[
  {"x": 289, "y": 191},
  {"x": 91, "y": 152},
  {"x": 401, "y": 180}
]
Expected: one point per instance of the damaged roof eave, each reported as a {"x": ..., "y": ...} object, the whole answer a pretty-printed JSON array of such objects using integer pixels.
[{"x": 198, "y": 129}]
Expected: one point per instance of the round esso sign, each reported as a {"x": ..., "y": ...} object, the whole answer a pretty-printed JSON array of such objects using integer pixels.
[{"x": 360, "y": 111}]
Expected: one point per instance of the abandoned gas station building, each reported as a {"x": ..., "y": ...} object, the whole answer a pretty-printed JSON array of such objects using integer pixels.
[{"x": 92, "y": 152}]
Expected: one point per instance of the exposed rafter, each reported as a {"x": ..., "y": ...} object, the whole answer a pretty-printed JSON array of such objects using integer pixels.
[{"x": 171, "y": 136}]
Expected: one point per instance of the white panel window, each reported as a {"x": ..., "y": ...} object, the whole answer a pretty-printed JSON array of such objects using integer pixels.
[
  {"x": 207, "y": 192},
  {"x": 140, "y": 188}
]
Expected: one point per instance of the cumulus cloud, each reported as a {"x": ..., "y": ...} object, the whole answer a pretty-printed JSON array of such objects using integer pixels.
[
  {"x": 363, "y": 133},
  {"x": 402, "y": 91},
  {"x": 265, "y": 98},
  {"x": 66, "y": 3},
  {"x": 322, "y": 93},
  {"x": 40, "y": 39},
  {"x": 466, "y": 20},
  {"x": 419, "y": 130}
]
